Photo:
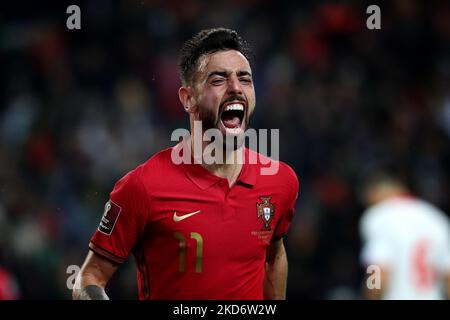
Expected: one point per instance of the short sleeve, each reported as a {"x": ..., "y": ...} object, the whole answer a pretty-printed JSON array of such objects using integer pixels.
[
  {"x": 377, "y": 247},
  {"x": 123, "y": 220},
  {"x": 288, "y": 210},
  {"x": 444, "y": 257}
]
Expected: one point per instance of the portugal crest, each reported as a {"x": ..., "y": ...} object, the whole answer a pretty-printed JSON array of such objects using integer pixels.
[{"x": 265, "y": 211}]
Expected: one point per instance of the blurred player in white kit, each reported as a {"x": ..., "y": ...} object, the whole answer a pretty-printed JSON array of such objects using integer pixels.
[{"x": 407, "y": 238}]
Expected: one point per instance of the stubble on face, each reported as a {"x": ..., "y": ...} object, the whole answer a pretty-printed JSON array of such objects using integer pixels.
[
  {"x": 210, "y": 117},
  {"x": 210, "y": 100}
]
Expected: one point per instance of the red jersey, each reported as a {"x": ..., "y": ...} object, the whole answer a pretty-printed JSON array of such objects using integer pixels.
[
  {"x": 192, "y": 236},
  {"x": 8, "y": 286}
]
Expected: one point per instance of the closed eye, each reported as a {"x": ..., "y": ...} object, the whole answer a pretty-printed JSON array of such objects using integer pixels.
[
  {"x": 246, "y": 80},
  {"x": 217, "y": 81}
]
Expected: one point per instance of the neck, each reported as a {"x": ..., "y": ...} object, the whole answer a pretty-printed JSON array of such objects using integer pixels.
[
  {"x": 383, "y": 193},
  {"x": 228, "y": 171},
  {"x": 228, "y": 166}
]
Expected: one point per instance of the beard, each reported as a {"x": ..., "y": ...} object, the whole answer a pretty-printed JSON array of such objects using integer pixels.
[{"x": 210, "y": 119}]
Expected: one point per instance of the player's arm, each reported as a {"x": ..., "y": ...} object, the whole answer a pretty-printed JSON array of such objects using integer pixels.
[
  {"x": 276, "y": 271},
  {"x": 93, "y": 277}
]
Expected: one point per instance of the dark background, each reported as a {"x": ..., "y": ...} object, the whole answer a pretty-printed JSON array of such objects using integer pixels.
[{"x": 79, "y": 108}]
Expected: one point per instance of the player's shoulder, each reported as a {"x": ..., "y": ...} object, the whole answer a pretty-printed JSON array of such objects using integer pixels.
[
  {"x": 281, "y": 169},
  {"x": 288, "y": 175},
  {"x": 431, "y": 209},
  {"x": 434, "y": 215},
  {"x": 376, "y": 216},
  {"x": 158, "y": 160},
  {"x": 156, "y": 164},
  {"x": 290, "y": 180},
  {"x": 395, "y": 210},
  {"x": 277, "y": 172},
  {"x": 287, "y": 171}
]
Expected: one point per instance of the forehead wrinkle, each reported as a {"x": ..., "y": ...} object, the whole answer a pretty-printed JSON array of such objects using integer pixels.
[{"x": 205, "y": 59}]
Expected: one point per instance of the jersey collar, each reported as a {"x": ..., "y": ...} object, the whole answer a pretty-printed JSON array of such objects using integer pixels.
[{"x": 205, "y": 179}]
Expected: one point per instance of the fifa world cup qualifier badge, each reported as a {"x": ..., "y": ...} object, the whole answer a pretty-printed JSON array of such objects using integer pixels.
[
  {"x": 109, "y": 218},
  {"x": 265, "y": 211}
]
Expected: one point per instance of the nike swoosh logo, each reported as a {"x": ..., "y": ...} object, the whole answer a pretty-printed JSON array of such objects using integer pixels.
[{"x": 184, "y": 216}]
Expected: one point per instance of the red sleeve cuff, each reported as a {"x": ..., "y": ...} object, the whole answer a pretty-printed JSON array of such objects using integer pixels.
[{"x": 106, "y": 254}]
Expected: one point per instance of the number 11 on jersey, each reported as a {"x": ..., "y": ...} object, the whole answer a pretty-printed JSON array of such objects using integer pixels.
[{"x": 199, "y": 251}]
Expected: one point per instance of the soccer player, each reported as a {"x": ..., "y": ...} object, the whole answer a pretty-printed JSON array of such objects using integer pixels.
[
  {"x": 9, "y": 289},
  {"x": 407, "y": 240},
  {"x": 197, "y": 230}
]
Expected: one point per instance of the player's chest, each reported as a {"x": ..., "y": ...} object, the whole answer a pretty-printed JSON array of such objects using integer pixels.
[{"x": 236, "y": 215}]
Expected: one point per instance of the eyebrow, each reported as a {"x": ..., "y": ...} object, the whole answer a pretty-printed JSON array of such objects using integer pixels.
[
  {"x": 217, "y": 73},
  {"x": 225, "y": 74},
  {"x": 244, "y": 73}
]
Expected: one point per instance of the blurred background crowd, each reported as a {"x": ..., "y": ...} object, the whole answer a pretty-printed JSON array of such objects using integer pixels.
[{"x": 79, "y": 108}]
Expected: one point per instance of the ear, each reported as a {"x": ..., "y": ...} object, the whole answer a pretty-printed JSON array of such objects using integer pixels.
[{"x": 186, "y": 96}]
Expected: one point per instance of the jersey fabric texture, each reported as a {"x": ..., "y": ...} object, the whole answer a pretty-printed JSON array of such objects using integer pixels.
[
  {"x": 412, "y": 239},
  {"x": 192, "y": 236}
]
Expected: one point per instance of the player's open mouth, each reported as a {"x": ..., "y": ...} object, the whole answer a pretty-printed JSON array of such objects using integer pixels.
[{"x": 232, "y": 117}]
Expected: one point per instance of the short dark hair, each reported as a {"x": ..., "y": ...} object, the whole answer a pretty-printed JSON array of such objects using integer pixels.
[{"x": 205, "y": 42}]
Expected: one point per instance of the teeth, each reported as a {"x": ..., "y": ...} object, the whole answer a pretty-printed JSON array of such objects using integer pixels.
[
  {"x": 236, "y": 106},
  {"x": 234, "y": 130}
]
